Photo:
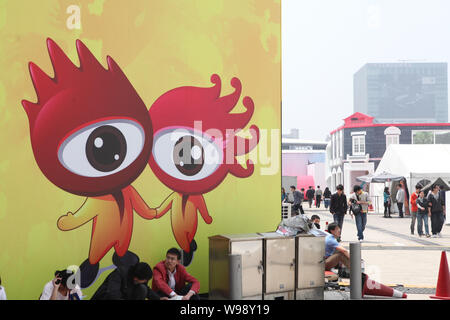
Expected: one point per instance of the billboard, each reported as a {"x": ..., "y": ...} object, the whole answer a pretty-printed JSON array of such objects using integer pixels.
[{"x": 128, "y": 128}]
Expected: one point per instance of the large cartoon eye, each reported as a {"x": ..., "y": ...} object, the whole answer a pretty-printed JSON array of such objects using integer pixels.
[
  {"x": 103, "y": 148},
  {"x": 186, "y": 155}
]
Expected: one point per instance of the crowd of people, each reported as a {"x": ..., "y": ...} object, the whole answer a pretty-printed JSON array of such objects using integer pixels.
[
  {"x": 358, "y": 204},
  {"x": 313, "y": 196},
  {"x": 424, "y": 207}
]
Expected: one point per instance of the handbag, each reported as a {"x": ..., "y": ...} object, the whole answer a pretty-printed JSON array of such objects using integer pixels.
[{"x": 356, "y": 207}]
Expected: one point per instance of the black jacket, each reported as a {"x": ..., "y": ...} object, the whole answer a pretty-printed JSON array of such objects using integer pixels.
[
  {"x": 310, "y": 194},
  {"x": 424, "y": 204},
  {"x": 338, "y": 204},
  {"x": 435, "y": 205},
  {"x": 119, "y": 285}
]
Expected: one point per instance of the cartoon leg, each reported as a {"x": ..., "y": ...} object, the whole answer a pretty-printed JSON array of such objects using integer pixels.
[
  {"x": 88, "y": 273},
  {"x": 189, "y": 256},
  {"x": 128, "y": 259}
]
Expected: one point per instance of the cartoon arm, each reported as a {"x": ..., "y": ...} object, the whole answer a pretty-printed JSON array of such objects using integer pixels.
[
  {"x": 142, "y": 209},
  {"x": 165, "y": 206},
  {"x": 74, "y": 220},
  {"x": 202, "y": 209}
]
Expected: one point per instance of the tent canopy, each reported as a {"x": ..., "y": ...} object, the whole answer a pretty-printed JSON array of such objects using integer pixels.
[
  {"x": 438, "y": 181},
  {"x": 422, "y": 159},
  {"x": 379, "y": 177},
  {"x": 416, "y": 162}
]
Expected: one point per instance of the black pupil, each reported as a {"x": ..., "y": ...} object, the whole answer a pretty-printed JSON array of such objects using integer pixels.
[
  {"x": 188, "y": 155},
  {"x": 106, "y": 148}
]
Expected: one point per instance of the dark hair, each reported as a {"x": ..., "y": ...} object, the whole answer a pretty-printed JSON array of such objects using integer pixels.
[
  {"x": 340, "y": 187},
  {"x": 293, "y": 187},
  {"x": 434, "y": 186},
  {"x": 314, "y": 217},
  {"x": 419, "y": 186},
  {"x": 386, "y": 189},
  {"x": 174, "y": 251},
  {"x": 332, "y": 226},
  {"x": 318, "y": 187},
  {"x": 356, "y": 188},
  {"x": 142, "y": 271},
  {"x": 303, "y": 189},
  {"x": 441, "y": 187},
  {"x": 64, "y": 275}
]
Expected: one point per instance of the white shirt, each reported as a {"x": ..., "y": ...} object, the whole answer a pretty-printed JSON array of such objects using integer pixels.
[
  {"x": 48, "y": 290},
  {"x": 172, "y": 282},
  {"x": 400, "y": 196},
  {"x": 2, "y": 293}
]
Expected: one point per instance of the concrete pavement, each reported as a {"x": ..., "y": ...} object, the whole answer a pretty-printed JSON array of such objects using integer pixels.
[{"x": 392, "y": 255}]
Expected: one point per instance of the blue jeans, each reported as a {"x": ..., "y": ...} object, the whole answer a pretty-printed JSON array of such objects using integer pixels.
[
  {"x": 327, "y": 203},
  {"x": 422, "y": 218},
  {"x": 361, "y": 221},
  {"x": 339, "y": 219}
]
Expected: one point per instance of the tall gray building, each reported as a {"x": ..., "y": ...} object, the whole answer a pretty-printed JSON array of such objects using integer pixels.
[{"x": 402, "y": 92}]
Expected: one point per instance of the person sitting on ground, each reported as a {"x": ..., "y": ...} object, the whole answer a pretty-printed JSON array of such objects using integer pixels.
[
  {"x": 316, "y": 220},
  {"x": 335, "y": 254},
  {"x": 2, "y": 291},
  {"x": 127, "y": 283},
  {"x": 60, "y": 289},
  {"x": 170, "y": 278}
]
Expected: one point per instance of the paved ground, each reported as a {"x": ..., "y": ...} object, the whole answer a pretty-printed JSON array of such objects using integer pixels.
[{"x": 392, "y": 255}]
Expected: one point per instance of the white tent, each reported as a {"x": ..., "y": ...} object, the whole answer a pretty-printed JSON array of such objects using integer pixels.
[{"x": 416, "y": 162}]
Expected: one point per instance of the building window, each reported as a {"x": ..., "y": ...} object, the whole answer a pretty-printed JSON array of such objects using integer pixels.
[
  {"x": 392, "y": 139},
  {"x": 422, "y": 137},
  {"x": 442, "y": 137},
  {"x": 359, "y": 145},
  {"x": 431, "y": 136},
  {"x": 392, "y": 135}
]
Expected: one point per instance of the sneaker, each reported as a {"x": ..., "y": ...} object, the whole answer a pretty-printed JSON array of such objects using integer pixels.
[
  {"x": 428, "y": 236},
  {"x": 439, "y": 235},
  {"x": 434, "y": 236},
  {"x": 420, "y": 235}
]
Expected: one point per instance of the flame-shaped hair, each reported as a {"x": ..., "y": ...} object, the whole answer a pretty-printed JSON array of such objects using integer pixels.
[
  {"x": 73, "y": 99},
  {"x": 69, "y": 76},
  {"x": 184, "y": 106}
]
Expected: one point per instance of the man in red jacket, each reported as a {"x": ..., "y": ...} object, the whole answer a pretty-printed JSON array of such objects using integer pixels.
[
  {"x": 170, "y": 278},
  {"x": 414, "y": 208}
]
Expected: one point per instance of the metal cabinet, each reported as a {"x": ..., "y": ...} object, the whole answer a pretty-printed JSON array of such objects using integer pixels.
[
  {"x": 266, "y": 266},
  {"x": 310, "y": 267},
  {"x": 223, "y": 276},
  {"x": 279, "y": 266}
]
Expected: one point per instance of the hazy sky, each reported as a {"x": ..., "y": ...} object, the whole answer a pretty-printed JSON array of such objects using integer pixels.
[{"x": 324, "y": 42}]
